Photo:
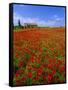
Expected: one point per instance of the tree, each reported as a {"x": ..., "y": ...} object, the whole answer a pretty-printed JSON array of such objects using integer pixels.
[{"x": 19, "y": 24}]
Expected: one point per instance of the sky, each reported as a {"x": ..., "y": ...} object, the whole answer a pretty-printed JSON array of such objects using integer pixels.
[{"x": 44, "y": 16}]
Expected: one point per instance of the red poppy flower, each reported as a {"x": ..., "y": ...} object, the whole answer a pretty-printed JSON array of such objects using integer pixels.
[
  {"x": 39, "y": 71},
  {"x": 32, "y": 59},
  {"x": 53, "y": 72},
  {"x": 50, "y": 66},
  {"x": 17, "y": 55},
  {"x": 20, "y": 72},
  {"x": 17, "y": 75},
  {"x": 29, "y": 75},
  {"x": 23, "y": 78},
  {"x": 20, "y": 64},
  {"x": 62, "y": 69},
  {"x": 49, "y": 77}
]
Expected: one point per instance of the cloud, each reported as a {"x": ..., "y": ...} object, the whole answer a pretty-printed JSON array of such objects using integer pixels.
[
  {"x": 16, "y": 17},
  {"x": 46, "y": 23},
  {"x": 57, "y": 18},
  {"x": 22, "y": 19},
  {"x": 53, "y": 21},
  {"x": 29, "y": 20}
]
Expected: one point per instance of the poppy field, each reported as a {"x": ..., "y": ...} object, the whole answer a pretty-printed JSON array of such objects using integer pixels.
[{"x": 38, "y": 56}]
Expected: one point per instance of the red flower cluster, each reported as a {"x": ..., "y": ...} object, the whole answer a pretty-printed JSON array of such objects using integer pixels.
[
  {"x": 19, "y": 72},
  {"x": 29, "y": 75},
  {"x": 20, "y": 64},
  {"x": 32, "y": 59},
  {"x": 40, "y": 57}
]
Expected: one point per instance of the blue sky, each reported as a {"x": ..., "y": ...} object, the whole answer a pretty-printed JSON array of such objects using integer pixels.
[{"x": 42, "y": 15}]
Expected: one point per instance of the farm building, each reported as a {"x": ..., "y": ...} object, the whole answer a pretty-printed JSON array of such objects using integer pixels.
[{"x": 30, "y": 25}]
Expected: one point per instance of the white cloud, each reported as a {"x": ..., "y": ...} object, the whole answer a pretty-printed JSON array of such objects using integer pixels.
[
  {"x": 16, "y": 17},
  {"x": 51, "y": 22},
  {"x": 47, "y": 23},
  {"x": 57, "y": 18},
  {"x": 29, "y": 20},
  {"x": 23, "y": 20}
]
